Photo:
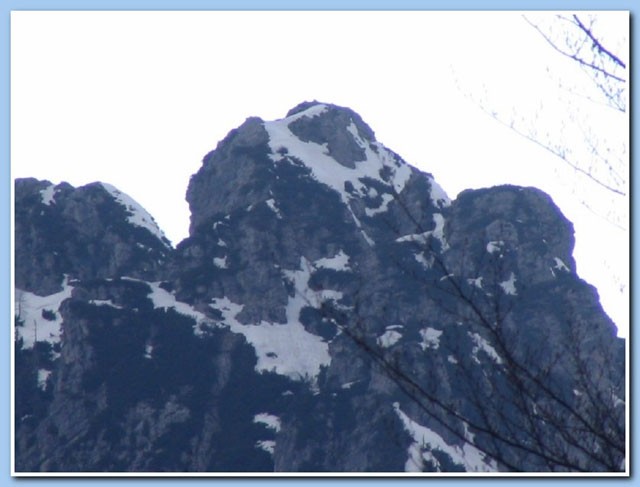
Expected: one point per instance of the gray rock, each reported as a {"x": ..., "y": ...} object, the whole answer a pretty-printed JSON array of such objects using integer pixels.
[{"x": 307, "y": 327}]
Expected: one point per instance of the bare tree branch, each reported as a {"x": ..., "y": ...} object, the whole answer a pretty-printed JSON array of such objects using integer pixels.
[
  {"x": 598, "y": 46},
  {"x": 559, "y": 153},
  {"x": 575, "y": 57}
]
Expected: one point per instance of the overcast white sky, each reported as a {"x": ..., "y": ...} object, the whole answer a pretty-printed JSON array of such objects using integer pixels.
[{"x": 137, "y": 99}]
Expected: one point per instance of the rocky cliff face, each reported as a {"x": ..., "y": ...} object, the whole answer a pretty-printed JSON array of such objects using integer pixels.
[
  {"x": 331, "y": 310},
  {"x": 89, "y": 232}
]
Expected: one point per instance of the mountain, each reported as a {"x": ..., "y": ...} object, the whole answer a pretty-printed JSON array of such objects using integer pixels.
[{"x": 332, "y": 310}]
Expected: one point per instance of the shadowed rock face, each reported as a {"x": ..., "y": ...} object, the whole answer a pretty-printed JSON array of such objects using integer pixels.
[
  {"x": 252, "y": 345},
  {"x": 82, "y": 232},
  {"x": 238, "y": 169}
]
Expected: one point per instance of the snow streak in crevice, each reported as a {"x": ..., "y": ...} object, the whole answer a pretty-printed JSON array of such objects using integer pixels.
[{"x": 426, "y": 441}]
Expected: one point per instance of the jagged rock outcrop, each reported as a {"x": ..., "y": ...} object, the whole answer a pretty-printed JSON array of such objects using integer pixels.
[
  {"x": 87, "y": 232},
  {"x": 331, "y": 310}
]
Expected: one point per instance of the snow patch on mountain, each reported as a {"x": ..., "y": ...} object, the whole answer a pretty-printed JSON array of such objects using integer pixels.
[
  {"x": 267, "y": 445},
  {"x": 48, "y": 194},
  {"x": 43, "y": 377},
  {"x": 163, "y": 299},
  {"x": 220, "y": 262},
  {"x": 138, "y": 216},
  {"x": 312, "y": 111},
  {"x": 482, "y": 344},
  {"x": 389, "y": 337},
  {"x": 325, "y": 169},
  {"x": 40, "y": 315},
  {"x": 509, "y": 286},
  {"x": 286, "y": 349},
  {"x": 386, "y": 199},
  {"x": 422, "y": 239},
  {"x": 430, "y": 338},
  {"x": 271, "y": 203},
  {"x": 339, "y": 262},
  {"x": 271, "y": 421},
  {"x": 425, "y": 441},
  {"x": 303, "y": 294},
  {"x": 439, "y": 198},
  {"x": 438, "y": 231},
  {"x": 104, "y": 302},
  {"x": 495, "y": 246},
  {"x": 364, "y": 234},
  {"x": 477, "y": 282},
  {"x": 427, "y": 263},
  {"x": 560, "y": 265}
]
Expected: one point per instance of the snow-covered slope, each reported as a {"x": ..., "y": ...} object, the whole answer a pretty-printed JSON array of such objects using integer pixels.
[
  {"x": 137, "y": 214},
  {"x": 40, "y": 315},
  {"x": 377, "y": 160}
]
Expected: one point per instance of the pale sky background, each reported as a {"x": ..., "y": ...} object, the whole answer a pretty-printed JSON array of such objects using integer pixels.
[{"x": 136, "y": 99}]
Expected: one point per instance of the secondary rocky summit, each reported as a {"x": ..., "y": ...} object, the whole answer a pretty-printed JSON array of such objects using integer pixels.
[{"x": 331, "y": 310}]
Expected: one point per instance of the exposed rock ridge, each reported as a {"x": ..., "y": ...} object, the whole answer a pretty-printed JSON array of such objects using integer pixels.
[{"x": 248, "y": 346}]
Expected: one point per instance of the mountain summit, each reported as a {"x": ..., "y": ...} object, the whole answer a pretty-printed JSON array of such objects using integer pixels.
[{"x": 332, "y": 310}]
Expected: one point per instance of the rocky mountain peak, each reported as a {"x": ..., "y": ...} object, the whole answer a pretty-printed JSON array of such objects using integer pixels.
[
  {"x": 341, "y": 130},
  {"x": 304, "y": 106},
  {"x": 331, "y": 310},
  {"x": 91, "y": 231},
  {"x": 321, "y": 142}
]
